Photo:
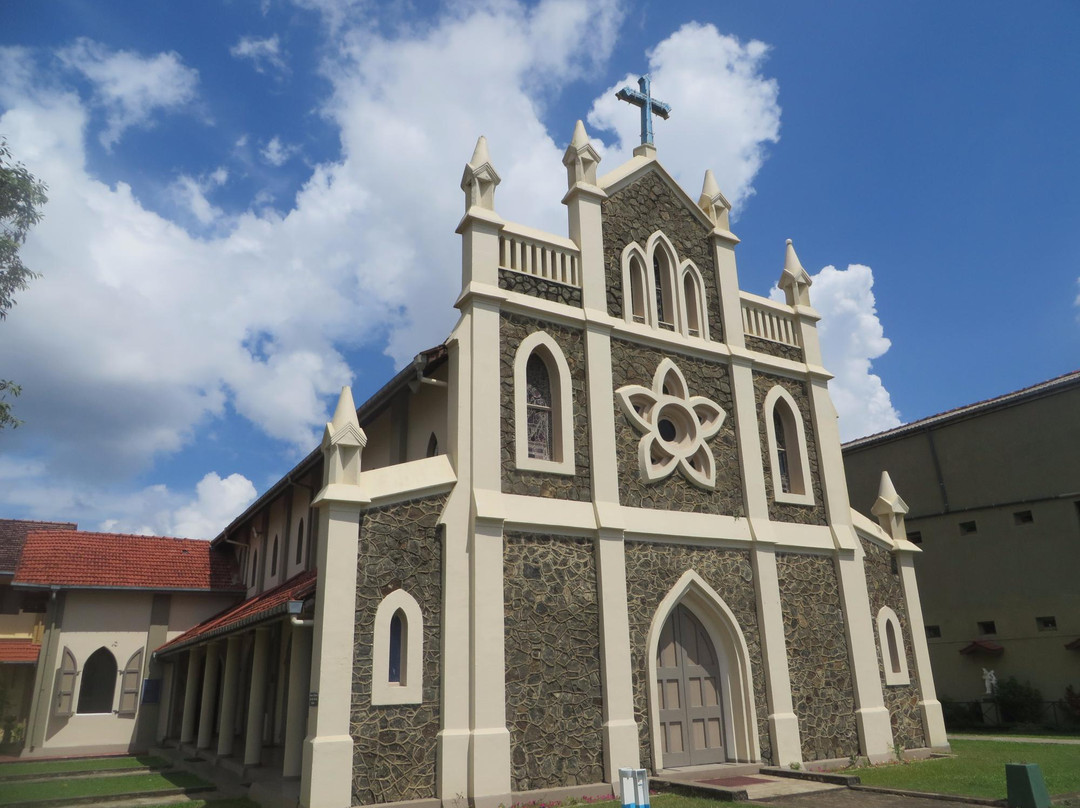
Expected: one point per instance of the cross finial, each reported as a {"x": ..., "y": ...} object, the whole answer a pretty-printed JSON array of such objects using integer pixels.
[{"x": 649, "y": 107}]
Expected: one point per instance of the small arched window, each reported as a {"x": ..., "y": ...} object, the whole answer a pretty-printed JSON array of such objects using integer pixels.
[
  {"x": 543, "y": 407},
  {"x": 399, "y": 630},
  {"x": 273, "y": 557},
  {"x": 398, "y": 651},
  {"x": 432, "y": 446},
  {"x": 98, "y": 683},
  {"x": 299, "y": 543},
  {"x": 638, "y": 307},
  {"x": 893, "y": 653},
  {"x": 254, "y": 566},
  {"x": 665, "y": 305},
  {"x": 788, "y": 455},
  {"x": 538, "y": 414},
  {"x": 693, "y": 326}
]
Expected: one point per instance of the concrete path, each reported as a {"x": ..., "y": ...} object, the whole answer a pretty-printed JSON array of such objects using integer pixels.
[{"x": 1014, "y": 739}]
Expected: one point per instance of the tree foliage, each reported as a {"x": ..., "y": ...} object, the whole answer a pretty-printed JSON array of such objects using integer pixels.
[{"x": 22, "y": 196}]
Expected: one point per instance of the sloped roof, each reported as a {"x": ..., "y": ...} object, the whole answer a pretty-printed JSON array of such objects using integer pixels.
[
  {"x": 13, "y": 652},
  {"x": 13, "y": 536},
  {"x": 78, "y": 560},
  {"x": 269, "y": 604},
  {"x": 987, "y": 647},
  {"x": 1049, "y": 387}
]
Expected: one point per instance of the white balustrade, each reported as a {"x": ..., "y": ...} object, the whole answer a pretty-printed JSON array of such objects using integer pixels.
[
  {"x": 540, "y": 257},
  {"x": 767, "y": 320}
]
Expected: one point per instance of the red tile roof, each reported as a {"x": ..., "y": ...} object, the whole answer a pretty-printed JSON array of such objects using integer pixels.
[
  {"x": 78, "y": 560},
  {"x": 987, "y": 647},
  {"x": 269, "y": 604},
  {"x": 16, "y": 651},
  {"x": 13, "y": 536}
]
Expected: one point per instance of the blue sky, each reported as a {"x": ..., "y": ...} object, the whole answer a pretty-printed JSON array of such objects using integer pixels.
[{"x": 253, "y": 203}]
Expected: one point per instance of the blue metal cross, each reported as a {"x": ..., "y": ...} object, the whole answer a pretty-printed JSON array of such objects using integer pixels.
[{"x": 649, "y": 106}]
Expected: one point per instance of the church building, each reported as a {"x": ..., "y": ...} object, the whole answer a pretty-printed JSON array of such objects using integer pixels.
[{"x": 604, "y": 525}]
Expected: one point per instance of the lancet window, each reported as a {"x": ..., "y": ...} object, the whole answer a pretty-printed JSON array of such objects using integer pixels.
[
  {"x": 789, "y": 459},
  {"x": 671, "y": 295},
  {"x": 398, "y": 651},
  {"x": 543, "y": 407},
  {"x": 539, "y": 413}
]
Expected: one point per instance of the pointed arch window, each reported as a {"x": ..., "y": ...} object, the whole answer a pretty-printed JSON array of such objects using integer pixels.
[
  {"x": 299, "y": 543},
  {"x": 432, "y": 446},
  {"x": 662, "y": 291},
  {"x": 543, "y": 407},
  {"x": 398, "y": 651},
  {"x": 273, "y": 557},
  {"x": 891, "y": 645},
  {"x": 254, "y": 566},
  {"x": 694, "y": 320},
  {"x": 663, "y": 266},
  {"x": 638, "y": 306},
  {"x": 98, "y": 683},
  {"x": 789, "y": 459}
]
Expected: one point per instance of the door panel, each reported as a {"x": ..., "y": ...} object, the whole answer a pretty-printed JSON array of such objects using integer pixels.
[{"x": 688, "y": 688}]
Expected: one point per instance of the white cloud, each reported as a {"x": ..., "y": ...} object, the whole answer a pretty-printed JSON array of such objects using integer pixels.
[
  {"x": 263, "y": 53},
  {"x": 851, "y": 338},
  {"x": 141, "y": 333},
  {"x": 131, "y": 87},
  {"x": 724, "y": 111},
  {"x": 216, "y": 503},
  {"x": 277, "y": 153}
]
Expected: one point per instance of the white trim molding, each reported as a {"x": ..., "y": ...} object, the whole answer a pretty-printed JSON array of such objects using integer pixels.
[
  {"x": 562, "y": 406},
  {"x": 410, "y": 690},
  {"x": 798, "y": 458},
  {"x": 893, "y": 654}
]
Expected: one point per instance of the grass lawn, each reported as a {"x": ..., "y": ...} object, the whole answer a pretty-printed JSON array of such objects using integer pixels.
[
  {"x": 978, "y": 770},
  {"x": 679, "y": 801},
  {"x": 235, "y": 802},
  {"x": 80, "y": 765},
  {"x": 96, "y": 786}
]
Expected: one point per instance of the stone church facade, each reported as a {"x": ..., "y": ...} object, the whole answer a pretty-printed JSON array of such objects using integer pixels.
[{"x": 604, "y": 525}]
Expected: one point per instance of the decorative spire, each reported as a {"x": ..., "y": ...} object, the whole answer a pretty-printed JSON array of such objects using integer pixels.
[
  {"x": 580, "y": 158},
  {"x": 480, "y": 178},
  {"x": 794, "y": 280},
  {"x": 343, "y": 441},
  {"x": 713, "y": 202},
  {"x": 890, "y": 509}
]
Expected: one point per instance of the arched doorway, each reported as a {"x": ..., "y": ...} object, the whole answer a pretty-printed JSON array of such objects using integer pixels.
[{"x": 689, "y": 692}]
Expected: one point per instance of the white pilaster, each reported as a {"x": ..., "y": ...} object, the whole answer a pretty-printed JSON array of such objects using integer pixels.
[
  {"x": 253, "y": 735},
  {"x": 929, "y": 706},
  {"x": 717, "y": 208},
  {"x": 489, "y": 761},
  {"x": 582, "y": 201},
  {"x": 209, "y": 696},
  {"x": 191, "y": 695},
  {"x": 227, "y": 714},
  {"x": 297, "y": 710},
  {"x": 168, "y": 687}
]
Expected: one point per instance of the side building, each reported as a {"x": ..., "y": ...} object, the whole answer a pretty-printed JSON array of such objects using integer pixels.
[
  {"x": 605, "y": 524},
  {"x": 994, "y": 489}
]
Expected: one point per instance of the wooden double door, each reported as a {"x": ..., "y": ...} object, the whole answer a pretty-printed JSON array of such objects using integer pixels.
[{"x": 688, "y": 689}]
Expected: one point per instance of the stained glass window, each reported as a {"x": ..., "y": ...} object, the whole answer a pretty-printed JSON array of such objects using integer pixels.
[
  {"x": 397, "y": 644},
  {"x": 538, "y": 408},
  {"x": 781, "y": 450}
]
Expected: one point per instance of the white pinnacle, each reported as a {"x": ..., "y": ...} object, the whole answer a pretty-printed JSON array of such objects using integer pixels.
[
  {"x": 581, "y": 137},
  {"x": 480, "y": 153}
]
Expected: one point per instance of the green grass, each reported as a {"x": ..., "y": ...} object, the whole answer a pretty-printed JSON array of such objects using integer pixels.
[
  {"x": 233, "y": 802},
  {"x": 679, "y": 801},
  {"x": 79, "y": 765},
  {"x": 96, "y": 786},
  {"x": 1004, "y": 733},
  {"x": 978, "y": 770}
]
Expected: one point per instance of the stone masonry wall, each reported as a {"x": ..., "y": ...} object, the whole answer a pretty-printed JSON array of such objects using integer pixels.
[
  {"x": 553, "y": 693},
  {"x": 395, "y": 746},
  {"x": 885, "y": 589},
  {"x": 771, "y": 348},
  {"x": 821, "y": 683},
  {"x": 514, "y": 281},
  {"x": 651, "y": 571},
  {"x": 636, "y": 364},
  {"x": 635, "y": 213},
  {"x": 512, "y": 330},
  {"x": 786, "y": 511}
]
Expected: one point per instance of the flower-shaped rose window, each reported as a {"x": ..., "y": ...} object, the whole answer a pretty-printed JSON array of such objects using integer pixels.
[{"x": 676, "y": 427}]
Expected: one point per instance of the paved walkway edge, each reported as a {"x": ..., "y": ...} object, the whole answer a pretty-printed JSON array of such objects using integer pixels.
[
  {"x": 692, "y": 789},
  {"x": 816, "y": 777},
  {"x": 929, "y": 795}
]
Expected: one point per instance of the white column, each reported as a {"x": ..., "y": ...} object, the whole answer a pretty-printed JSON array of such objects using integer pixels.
[
  {"x": 727, "y": 279},
  {"x": 583, "y": 203},
  {"x": 191, "y": 695},
  {"x": 929, "y": 706},
  {"x": 621, "y": 748},
  {"x": 297, "y": 711},
  {"x": 489, "y": 762},
  {"x": 227, "y": 718},
  {"x": 168, "y": 682},
  {"x": 253, "y": 736},
  {"x": 209, "y": 696}
]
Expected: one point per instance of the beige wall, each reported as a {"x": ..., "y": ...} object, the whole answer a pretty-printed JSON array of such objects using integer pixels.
[{"x": 992, "y": 466}]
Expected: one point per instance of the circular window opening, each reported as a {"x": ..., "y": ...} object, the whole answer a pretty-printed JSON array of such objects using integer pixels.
[{"x": 667, "y": 430}]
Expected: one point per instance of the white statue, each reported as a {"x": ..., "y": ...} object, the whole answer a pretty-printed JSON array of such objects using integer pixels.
[{"x": 990, "y": 680}]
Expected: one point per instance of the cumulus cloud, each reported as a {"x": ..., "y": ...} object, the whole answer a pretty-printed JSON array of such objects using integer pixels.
[
  {"x": 851, "y": 338},
  {"x": 263, "y": 53},
  {"x": 216, "y": 503},
  {"x": 141, "y": 332},
  {"x": 277, "y": 153},
  {"x": 131, "y": 87},
  {"x": 724, "y": 110}
]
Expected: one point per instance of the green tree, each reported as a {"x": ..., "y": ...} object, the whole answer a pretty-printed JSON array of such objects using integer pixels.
[{"x": 22, "y": 196}]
